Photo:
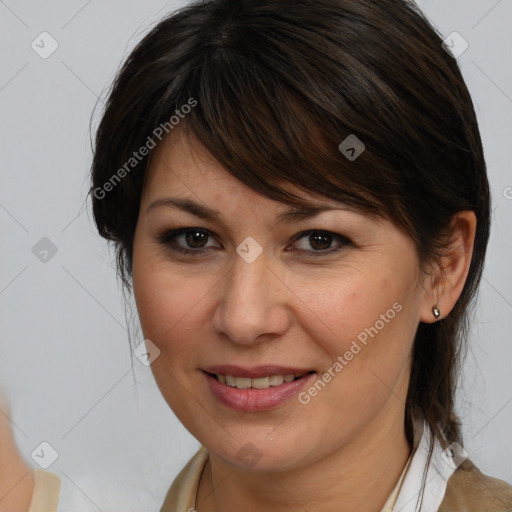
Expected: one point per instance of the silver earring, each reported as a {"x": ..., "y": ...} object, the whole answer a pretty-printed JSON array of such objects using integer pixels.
[{"x": 436, "y": 312}]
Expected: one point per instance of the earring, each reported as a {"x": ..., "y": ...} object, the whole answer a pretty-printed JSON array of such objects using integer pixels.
[{"x": 436, "y": 312}]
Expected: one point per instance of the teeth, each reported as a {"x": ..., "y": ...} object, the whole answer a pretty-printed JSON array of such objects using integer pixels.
[
  {"x": 276, "y": 380},
  {"x": 243, "y": 382},
  {"x": 258, "y": 383},
  {"x": 261, "y": 382}
]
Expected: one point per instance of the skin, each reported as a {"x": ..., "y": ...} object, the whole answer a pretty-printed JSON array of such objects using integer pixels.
[
  {"x": 16, "y": 476},
  {"x": 347, "y": 445}
]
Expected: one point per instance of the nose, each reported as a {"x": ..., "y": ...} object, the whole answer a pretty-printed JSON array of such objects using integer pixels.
[{"x": 252, "y": 306}]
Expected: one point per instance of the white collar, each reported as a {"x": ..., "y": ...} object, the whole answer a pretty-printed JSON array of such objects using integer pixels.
[{"x": 424, "y": 484}]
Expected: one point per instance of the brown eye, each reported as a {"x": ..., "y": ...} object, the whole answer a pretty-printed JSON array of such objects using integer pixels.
[
  {"x": 187, "y": 240},
  {"x": 319, "y": 243},
  {"x": 196, "y": 239}
]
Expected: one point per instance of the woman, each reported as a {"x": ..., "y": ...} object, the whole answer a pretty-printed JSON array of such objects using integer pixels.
[{"x": 298, "y": 196}]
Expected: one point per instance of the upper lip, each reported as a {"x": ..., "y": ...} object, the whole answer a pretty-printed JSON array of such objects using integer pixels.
[{"x": 255, "y": 371}]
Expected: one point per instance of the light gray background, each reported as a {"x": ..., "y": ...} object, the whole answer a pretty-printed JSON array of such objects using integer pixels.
[{"x": 65, "y": 361}]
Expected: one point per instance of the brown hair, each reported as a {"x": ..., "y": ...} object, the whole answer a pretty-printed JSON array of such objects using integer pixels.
[{"x": 279, "y": 84}]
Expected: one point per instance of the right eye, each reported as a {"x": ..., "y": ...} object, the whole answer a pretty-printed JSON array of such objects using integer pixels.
[{"x": 186, "y": 240}]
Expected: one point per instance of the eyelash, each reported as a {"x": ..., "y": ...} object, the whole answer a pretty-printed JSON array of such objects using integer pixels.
[{"x": 168, "y": 239}]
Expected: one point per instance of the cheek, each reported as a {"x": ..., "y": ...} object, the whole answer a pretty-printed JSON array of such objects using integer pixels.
[
  {"x": 366, "y": 328},
  {"x": 168, "y": 303},
  {"x": 359, "y": 308}
]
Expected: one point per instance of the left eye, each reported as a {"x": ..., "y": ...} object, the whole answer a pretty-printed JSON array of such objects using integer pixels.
[{"x": 320, "y": 241}]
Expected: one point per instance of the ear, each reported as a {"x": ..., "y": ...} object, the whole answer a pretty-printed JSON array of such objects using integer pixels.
[{"x": 450, "y": 273}]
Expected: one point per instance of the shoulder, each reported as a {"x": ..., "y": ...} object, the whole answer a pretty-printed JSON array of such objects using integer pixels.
[
  {"x": 182, "y": 493},
  {"x": 469, "y": 490},
  {"x": 46, "y": 492}
]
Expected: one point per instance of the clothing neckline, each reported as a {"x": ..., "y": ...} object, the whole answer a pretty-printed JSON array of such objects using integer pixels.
[
  {"x": 183, "y": 493},
  {"x": 420, "y": 488}
]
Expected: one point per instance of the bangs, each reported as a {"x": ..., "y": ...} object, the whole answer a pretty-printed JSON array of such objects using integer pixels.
[
  {"x": 267, "y": 133},
  {"x": 278, "y": 91}
]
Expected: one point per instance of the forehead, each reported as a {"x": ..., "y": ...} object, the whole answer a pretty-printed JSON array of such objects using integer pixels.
[{"x": 181, "y": 165}]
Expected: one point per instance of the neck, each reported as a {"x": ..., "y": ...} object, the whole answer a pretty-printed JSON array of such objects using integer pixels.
[{"x": 360, "y": 475}]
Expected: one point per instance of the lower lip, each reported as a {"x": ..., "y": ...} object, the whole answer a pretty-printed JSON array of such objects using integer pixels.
[{"x": 254, "y": 400}]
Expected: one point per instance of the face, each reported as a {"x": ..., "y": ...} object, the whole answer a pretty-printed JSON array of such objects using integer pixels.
[{"x": 332, "y": 299}]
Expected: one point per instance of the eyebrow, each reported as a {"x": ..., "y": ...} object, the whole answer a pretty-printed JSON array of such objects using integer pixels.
[{"x": 207, "y": 213}]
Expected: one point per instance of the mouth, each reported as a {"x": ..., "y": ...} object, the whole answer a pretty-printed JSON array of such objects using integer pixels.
[
  {"x": 257, "y": 382},
  {"x": 258, "y": 388}
]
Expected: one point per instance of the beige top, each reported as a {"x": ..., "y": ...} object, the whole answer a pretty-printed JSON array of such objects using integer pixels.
[
  {"x": 45, "y": 497},
  {"x": 181, "y": 497}
]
